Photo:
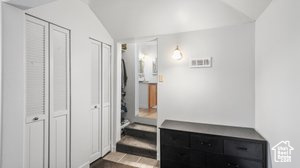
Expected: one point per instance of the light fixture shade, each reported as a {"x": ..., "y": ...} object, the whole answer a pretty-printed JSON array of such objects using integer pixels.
[{"x": 177, "y": 55}]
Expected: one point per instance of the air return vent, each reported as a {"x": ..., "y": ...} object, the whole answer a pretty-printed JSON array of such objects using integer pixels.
[{"x": 200, "y": 62}]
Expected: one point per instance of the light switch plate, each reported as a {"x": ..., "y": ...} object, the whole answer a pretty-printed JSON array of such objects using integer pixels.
[{"x": 160, "y": 78}]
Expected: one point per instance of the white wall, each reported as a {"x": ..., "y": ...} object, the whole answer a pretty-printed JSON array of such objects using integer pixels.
[
  {"x": 130, "y": 59},
  {"x": 223, "y": 94},
  {"x": 143, "y": 95},
  {"x": 13, "y": 98},
  {"x": 277, "y": 76},
  {"x": 76, "y": 16},
  {"x": 0, "y": 84},
  {"x": 117, "y": 94}
]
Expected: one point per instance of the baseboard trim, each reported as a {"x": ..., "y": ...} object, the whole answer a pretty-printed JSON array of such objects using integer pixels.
[
  {"x": 85, "y": 165},
  {"x": 114, "y": 148}
]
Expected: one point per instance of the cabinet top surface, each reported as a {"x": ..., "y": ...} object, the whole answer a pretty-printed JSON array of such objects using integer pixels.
[{"x": 227, "y": 131}]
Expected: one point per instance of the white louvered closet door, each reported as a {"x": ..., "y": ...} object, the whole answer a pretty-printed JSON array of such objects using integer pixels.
[
  {"x": 106, "y": 103},
  {"x": 59, "y": 98},
  {"x": 95, "y": 111},
  {"x": 36, "y": 72}
]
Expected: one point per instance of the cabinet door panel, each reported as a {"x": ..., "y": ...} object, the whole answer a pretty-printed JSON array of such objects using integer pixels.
[
  {"x": 207, "y": 143},
  {"x": 243, "y": 149},
  {"x": 214, "y": 161},
  {"x": 174, "y": 138}
]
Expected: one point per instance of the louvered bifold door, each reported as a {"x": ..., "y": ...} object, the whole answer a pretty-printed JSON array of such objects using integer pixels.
[
  {"x": 36, "y": 74},
  {"x": 59, "y": 98},
  {"x": 106, "y": 102},
  {"x": 95, "y": 111}
]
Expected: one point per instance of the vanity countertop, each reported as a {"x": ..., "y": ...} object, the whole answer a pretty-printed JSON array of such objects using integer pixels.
[{"x": 142, "y": 82}]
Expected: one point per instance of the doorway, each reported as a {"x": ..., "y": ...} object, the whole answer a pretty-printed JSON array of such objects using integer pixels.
[
  {"x": 147, "y": 80},
  {"x": 139, "y": 76},
  {"x": 138, "y": 128}
]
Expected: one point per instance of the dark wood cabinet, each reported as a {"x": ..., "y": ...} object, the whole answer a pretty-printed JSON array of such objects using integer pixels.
[{"x": 195, "y": 145}]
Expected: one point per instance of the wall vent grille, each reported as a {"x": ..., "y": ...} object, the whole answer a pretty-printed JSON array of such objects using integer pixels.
[{"x": 200, "y": 62}]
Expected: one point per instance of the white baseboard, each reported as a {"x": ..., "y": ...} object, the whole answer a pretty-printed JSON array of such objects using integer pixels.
[
  {"x": 158, "y": 157},
  {"x": 113, "y": 148},
  {"x": 85, "y": 165}
]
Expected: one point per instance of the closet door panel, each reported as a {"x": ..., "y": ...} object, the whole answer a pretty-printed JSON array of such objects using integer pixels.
[
  {"x": 35, "y": 144},
  {"x": 106, "y": 130},
  {"x": 36, "y": 74},
  {"x": 106, "y": 105},
  {"x": 59, "y": 142},
  {"x": 95, "y": 100},
  {"x": 59, "y": 97}
]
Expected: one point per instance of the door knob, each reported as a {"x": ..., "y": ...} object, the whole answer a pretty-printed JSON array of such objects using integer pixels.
[{"x": 35, "y": 118}]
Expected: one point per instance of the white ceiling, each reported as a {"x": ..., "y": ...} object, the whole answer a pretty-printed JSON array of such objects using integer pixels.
[
  {"x": 252, "y": 8},
  {"x": 139, "y": 18},
  {"x": 126, "y": 19},
  {"x": 26, "y": 4}
]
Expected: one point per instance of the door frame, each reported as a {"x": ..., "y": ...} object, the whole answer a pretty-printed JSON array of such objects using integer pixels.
[
  {"x": 116, "y": 94},
  {"x": 112, "y": 93},
  {"x": 70, "y": 78}
]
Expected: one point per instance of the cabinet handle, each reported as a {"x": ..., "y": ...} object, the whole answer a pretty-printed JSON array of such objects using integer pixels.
[
  {"x": 205, "y": 143},
  {"x": 242, "y": 148},
  {"x": 233, "y": 165},
  {"x": 35, "y": 118}
]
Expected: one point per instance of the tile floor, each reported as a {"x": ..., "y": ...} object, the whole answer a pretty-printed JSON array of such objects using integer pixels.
[
  {"x": 108, "y": 164},
  {"x": 132, "y": 160}
]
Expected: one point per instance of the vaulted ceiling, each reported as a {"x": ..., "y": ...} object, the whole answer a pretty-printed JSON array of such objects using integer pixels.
[
  {"x": 26, "y": 4},
  {"x": 139, "y": 18}
]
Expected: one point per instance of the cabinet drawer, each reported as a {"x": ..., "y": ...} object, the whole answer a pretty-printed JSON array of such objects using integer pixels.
[
  {"x": 243, "y": 149},
  {"x": 219, "y": 162},
  {"x": 174, "y": 138},
  {"x": 197, "y": 159},
  {"x": 207, "y": 143},
  {"x": 171, "y": 164},
  {"x": 175, "y": 154}
]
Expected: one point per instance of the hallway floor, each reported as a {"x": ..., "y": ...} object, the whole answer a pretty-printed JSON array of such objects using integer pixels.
[
  {"x": 148, "y": 113},
  {"x": 108, "y": 164},
  {"x": 123, "y": 160}
]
